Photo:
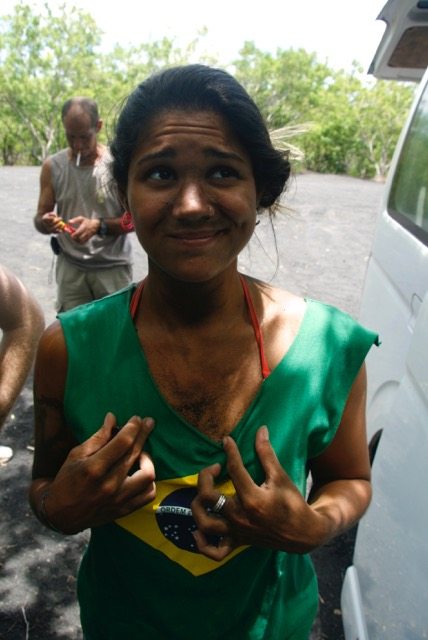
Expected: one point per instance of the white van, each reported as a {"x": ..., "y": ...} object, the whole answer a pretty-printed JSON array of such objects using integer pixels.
[{"x": 385, "y": 591}]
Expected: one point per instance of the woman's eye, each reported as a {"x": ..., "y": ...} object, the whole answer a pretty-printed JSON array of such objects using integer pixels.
[
  {"x": 224, "y": 172},
  {"x": 160, "y": 173}
]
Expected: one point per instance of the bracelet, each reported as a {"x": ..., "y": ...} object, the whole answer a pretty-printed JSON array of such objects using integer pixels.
[{"x": 43, "y": 515}]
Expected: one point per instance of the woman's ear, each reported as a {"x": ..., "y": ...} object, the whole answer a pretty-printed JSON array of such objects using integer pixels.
[{"x": 127, "y": 222}]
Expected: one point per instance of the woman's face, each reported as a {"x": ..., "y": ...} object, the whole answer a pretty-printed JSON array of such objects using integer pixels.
[{"x": 192, "y": 195}]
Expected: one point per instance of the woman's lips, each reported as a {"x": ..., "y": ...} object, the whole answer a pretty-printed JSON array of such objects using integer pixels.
[{"x": 195, "y": 237}]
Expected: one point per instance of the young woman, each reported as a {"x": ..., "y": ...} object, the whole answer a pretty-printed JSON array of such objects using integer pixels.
[{"x": 216, "y": 394}]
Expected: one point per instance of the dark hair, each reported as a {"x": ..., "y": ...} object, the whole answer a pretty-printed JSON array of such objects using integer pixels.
[
  {"x": 87, "y": 105},
  {"x": 199, "y": 87}
]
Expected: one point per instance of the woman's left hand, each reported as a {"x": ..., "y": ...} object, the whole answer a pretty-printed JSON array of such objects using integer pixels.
[{"x": 273, "y": 515}]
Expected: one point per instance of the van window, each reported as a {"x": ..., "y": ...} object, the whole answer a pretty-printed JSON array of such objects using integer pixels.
[{"x": 408, "y": 200}]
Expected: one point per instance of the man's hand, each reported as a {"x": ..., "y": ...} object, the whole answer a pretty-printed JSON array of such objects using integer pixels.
[
  {"x": 52, "y": 223},
  {"x": 84, "y": 228}
]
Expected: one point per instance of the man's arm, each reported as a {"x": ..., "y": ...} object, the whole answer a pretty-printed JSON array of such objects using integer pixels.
[
  {"x": 22, "y": 322},
  {"x": 85, "y": 228},
  {"x": 46, "y": 221}
]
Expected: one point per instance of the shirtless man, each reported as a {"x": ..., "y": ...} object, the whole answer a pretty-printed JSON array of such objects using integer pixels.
[{"x": 21, "y": 323}]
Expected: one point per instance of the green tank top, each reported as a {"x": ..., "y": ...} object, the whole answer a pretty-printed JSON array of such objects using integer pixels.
[{"x": 141, "y": 577}]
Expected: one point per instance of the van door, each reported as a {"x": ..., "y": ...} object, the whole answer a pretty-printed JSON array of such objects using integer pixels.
[
  {"x": 385, "y": 591},
  {"x": 397, "y": 276},
  {"x": 390, "y": 566}
]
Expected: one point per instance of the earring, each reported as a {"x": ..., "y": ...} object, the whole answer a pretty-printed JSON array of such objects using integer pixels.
[{"x": 126, "y": 222}]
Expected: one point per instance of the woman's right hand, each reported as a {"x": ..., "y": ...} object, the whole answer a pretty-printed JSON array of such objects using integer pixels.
[{"x": 93, "y": 487}]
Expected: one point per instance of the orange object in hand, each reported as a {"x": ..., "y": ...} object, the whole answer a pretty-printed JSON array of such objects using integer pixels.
[{"x": 66, "y": 227}]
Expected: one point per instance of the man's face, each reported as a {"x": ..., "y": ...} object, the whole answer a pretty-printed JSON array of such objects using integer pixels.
[{"x": 81, "y": 135}]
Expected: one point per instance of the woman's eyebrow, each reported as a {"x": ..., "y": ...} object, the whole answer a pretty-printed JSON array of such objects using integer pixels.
[
  {"x": 212, "y": 152},
  {"x": 209, "y": 152},
  {"x": 168, "y": 152}
]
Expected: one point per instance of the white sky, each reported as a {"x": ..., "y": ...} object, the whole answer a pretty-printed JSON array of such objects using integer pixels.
[{"x": 338, "y": 31}]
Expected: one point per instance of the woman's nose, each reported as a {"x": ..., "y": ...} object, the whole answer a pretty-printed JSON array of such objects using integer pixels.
[{"x": 192, "y": 200}]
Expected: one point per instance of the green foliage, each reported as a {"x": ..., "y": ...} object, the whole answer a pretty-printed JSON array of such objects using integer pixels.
[
  {"x": 358, "y": 126},
  {"x": 341, "y": 123},
  {"x": 124, "y": 68},
  {"x": 286, "y": 86},
  {"x": 44, "y": 59},
  {"x": 352, "y": 126}
]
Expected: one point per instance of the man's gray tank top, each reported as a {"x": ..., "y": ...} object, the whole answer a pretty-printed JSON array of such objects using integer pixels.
[{"x": 90, "y": 192}]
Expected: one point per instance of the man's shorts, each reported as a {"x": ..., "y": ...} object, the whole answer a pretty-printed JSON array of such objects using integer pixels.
[{"x": 76, "y": 286}]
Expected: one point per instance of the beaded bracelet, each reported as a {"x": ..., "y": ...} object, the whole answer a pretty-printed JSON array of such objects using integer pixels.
[{"x": 43, "y": 515}]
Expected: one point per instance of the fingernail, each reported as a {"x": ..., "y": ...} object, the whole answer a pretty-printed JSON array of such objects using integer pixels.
[
  {"x": 264, "y": 433},
  {"x": 196, "y": 535},
  {"x": 226, "y": 440},
  {"x": 149, "y": 423},
  {"x": 110, "y": 419}
]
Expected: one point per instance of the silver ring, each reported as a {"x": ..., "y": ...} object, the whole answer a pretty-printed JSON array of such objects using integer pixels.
[{"x": 219, "y": 504}]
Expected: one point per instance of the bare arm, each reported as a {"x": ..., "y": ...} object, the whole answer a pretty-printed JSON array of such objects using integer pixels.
[
  {"x": 22, "y": 322},
  {"x": 83, "y": 228},
  {"x": 275, "y": 514},
  {"x": 341, "y": 488},
  {"x": 76, "y": 486},
  {"x": 46, "y": 221}
]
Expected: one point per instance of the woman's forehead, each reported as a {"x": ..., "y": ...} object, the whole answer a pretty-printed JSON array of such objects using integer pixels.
[
  {"x": 187, "y": 120},
  {"x": 178, "y": 127}
]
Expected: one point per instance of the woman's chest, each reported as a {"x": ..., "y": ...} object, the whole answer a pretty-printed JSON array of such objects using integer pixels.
[{"x": 210, "y": 391}]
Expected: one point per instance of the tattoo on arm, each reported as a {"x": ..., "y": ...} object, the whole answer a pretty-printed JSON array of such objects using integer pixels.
[{"x": 53, "y": 438}]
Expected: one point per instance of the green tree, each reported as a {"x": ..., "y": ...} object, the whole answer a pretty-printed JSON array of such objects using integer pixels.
[
  {"x": 382, "y": 109},
  {"x": 342, "y": 123},
  {"x": 357, "y": 126},
  {"x": 123, "y": 68},
  {"x": 14, "y": 139},
  {"x": 351, "y": 124},
  {"x": 286, "y": 85},
  {"x": 329, "y": 145},
  {"x": 45, "y": 58}
]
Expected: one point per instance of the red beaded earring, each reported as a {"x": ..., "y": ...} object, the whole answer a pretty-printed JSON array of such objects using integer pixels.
[{"x": 126, "y": 222}]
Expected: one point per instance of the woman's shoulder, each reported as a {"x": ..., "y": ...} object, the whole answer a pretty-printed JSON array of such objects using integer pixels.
[
  {"x": 291, "y": 307},
  {"x": 281, "y": 314},
  {"x": 280, "y": 304},
  {"x": 51, "y": 361},
  {"x": 93, "y": 310}
]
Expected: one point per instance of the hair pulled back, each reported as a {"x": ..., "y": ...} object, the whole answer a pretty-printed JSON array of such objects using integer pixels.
[{"x": 198, "y": 87}]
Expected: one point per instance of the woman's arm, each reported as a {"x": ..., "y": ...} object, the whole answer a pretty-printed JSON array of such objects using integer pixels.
[
  {"x": 76, "y": 486},
  {"x": 275, "y": 514},
  {"x": 341, "y": 489}
]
